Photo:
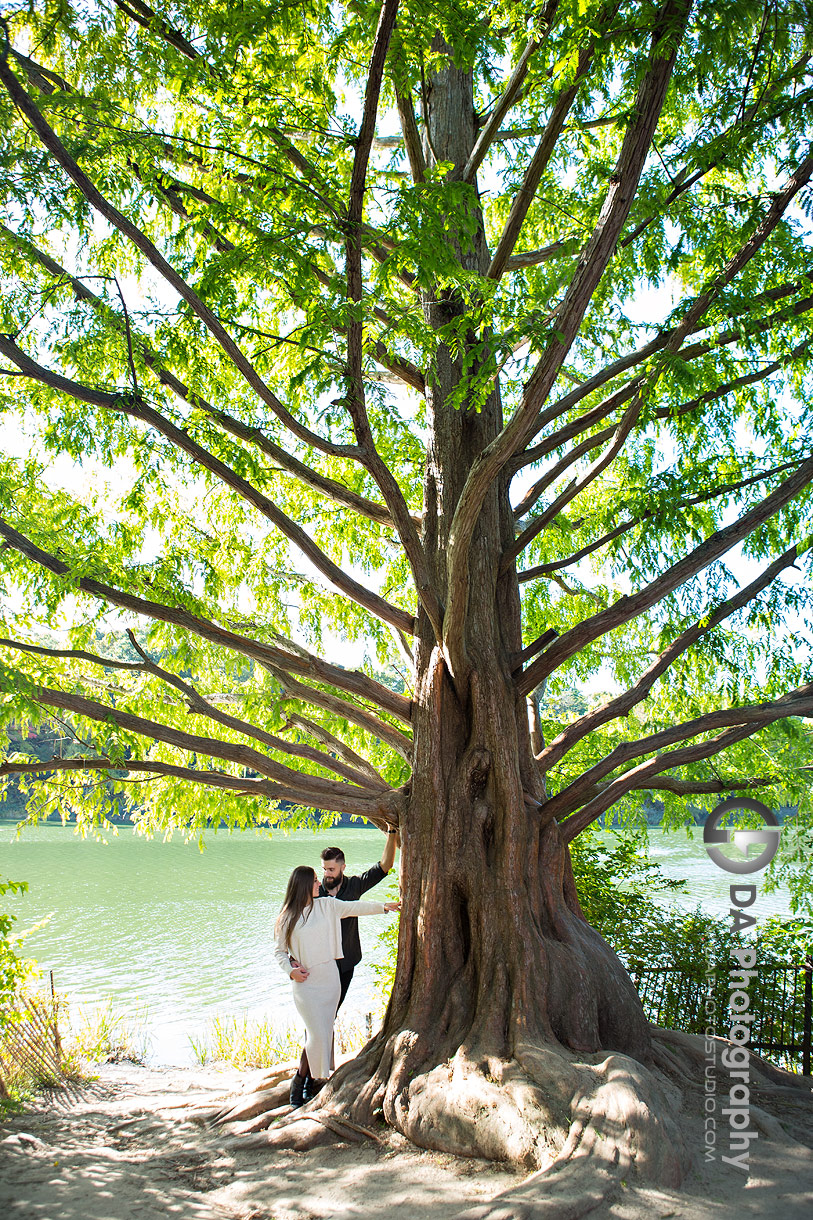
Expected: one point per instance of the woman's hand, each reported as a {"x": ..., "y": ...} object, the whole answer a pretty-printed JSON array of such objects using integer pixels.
[
  {"x": 299, "y": 974},
  {"x": 392, "y": 906}
]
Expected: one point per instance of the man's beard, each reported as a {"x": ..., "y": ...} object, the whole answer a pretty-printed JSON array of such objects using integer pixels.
[{"x": 331, "y": 883}]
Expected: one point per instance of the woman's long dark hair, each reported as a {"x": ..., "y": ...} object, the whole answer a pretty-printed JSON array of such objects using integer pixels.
[{"x": 298, "y": 898}]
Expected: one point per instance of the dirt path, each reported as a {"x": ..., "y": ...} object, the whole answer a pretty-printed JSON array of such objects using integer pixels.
[{"x": 130, "y": 1147}]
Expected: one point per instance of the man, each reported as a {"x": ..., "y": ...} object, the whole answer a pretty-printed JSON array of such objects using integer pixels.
[{"x": 349, "y": 889}]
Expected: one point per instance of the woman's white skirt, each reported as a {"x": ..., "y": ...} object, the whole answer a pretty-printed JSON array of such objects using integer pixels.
[{"x": 316, "y": 1002}]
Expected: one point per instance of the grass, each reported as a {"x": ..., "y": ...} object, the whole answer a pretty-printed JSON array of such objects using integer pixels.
[
  {"x": 247, "y": 1043},
  {"x": 102, "y": 1033}
]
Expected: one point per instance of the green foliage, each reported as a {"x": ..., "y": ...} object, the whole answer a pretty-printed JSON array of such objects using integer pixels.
[
  {"x": 105, "y": 1033},
  {"x": 169, "y": 491},
  {"x": 15, "y": 970},
  {"x": 244, "y": 1042}
]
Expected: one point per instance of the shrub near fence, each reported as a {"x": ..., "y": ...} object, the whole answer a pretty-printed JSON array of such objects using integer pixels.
[{"x": 781, "y": 1001}]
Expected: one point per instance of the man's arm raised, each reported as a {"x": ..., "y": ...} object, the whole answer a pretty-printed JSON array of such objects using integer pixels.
[
  {"x": 388, "y": 855},
  {"x": 372, "y": 876}
]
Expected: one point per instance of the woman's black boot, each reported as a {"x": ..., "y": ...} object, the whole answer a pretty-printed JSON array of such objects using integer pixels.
[
  {"x": 297, "y": 1091},
  {"x": 312, "y": 1087}
]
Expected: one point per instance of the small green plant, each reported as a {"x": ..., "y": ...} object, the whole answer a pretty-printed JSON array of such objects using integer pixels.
[
  {"x": 245, "y": 1043},
  {"x": 15, "y": 971},
  {"x": 102, "y": 1033}
]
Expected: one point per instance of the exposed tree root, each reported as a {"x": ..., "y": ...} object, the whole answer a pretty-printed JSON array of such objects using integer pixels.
[
  {"x": 260, "y": 1103},
  {"x": 675, "y": 1051},
  {"x": 582, "y": 1124},
  {"x": 542, "y": 1109}
]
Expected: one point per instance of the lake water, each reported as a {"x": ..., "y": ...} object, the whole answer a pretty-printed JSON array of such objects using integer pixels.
[{"x": 189, "y": 934}]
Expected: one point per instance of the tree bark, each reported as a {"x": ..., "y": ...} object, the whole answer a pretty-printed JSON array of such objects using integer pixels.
[{"x": 501, "y": 983}]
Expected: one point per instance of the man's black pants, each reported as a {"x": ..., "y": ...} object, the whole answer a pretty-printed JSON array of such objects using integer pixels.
[{"x": 345, "y": 978}]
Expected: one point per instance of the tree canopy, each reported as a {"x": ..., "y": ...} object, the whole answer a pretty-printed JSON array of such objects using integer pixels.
[{"x": 238, "y": 270}]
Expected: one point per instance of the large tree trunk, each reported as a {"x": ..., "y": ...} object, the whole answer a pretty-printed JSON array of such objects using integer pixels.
[{"x": 505, "y": 999}]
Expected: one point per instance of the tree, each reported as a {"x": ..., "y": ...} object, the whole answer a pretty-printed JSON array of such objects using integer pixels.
[{"x": 364, "y": 307}]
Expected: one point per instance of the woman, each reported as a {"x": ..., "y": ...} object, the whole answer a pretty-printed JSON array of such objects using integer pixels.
[{"x": 308, "y": 930}]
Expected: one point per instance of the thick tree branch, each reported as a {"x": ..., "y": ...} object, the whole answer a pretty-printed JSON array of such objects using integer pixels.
[
  {"x": 354, "y": 682},
  {"x": 134, "y": 406},
  {"x": 547, "y": 569},
  {"x": 139, "y": 239},
  {"x": 667, "y": 412},
  {"x": 398, "y": 741},
  {"x": 312, "y": 788},
  {"x": 198, "y": 705},
  {"x": 666, "y": 38},
  {"x": 356, "y": 403},
  {"x": 504, "y": 103},
  {"x": 635, "y": 604},
  {"x": 532, "y": 258},
  {"x": 411, "y": 134},
  {"x": 623, "y": 704},
  {"x": 654, "y": 346},
  {"x": 533, "y": 175},
  {"x": 334, "y": 743},
  {"x": 333, "y": 490},
  {"x": 383, "y": 813},
  {"x": 798, "y": 702},
  {"x": 703, "y": 787},
  {"x": 638, "y": 777}
]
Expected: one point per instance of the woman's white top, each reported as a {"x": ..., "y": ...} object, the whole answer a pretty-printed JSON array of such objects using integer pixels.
[{"x": 317, "y": 934}]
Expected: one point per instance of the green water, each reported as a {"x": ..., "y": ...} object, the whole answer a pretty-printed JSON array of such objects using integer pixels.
[
  {"x": 161, "y": 925},
  {"x": 189, "y": 934}
]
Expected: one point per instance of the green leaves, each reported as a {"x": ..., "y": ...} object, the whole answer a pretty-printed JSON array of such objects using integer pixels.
[{"x": 227, "y": 135}]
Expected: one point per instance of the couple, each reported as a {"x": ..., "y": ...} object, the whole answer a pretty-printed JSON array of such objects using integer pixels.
[{"x": 316, "y": 936}]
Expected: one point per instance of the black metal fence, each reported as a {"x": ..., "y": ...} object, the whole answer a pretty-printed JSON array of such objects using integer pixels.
[{"x": 780, "y": 1005}]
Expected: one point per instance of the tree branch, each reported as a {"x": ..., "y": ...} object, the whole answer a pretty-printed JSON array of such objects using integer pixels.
[
  {"x": 642, "y": 354},
  {"x": 333, "y": 742},
  {"x": 312, "y": 788},
  {"x": 547, "y": 569},
  {"x": 394, "y": 738},
  {"x": 700, "y": 306},
  {"x": 411, "y": 134},
  {"x": 383, "y": 813},
  {"x": 620, "y": 432},
  {"x": 640, "y": 775},
  {"x": 333, "y": 490},
  {"x": 134, "y": 405},
  {"x": 533, "y": 175},
  {"x": 505, "y": 102},
  {"x": 666, "y": 37},
  {"x": 197, "y": 704},
  {"x": 635, "y": 604},
  {"x": 212, "y": 323},
  {"x": 667, "y": 412},
  {"x": 285, "y": 662},
  {"x": 703, "y": 787},
  {"x": 356, "y": 403},
  {"x": 623, "y": 704},
  {"x": 798, "y": 702},
  {"x": 532, "y": 258}
]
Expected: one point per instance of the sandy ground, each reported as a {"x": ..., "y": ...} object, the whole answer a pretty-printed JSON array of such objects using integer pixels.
[{"x": 128, "y": 1147}]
